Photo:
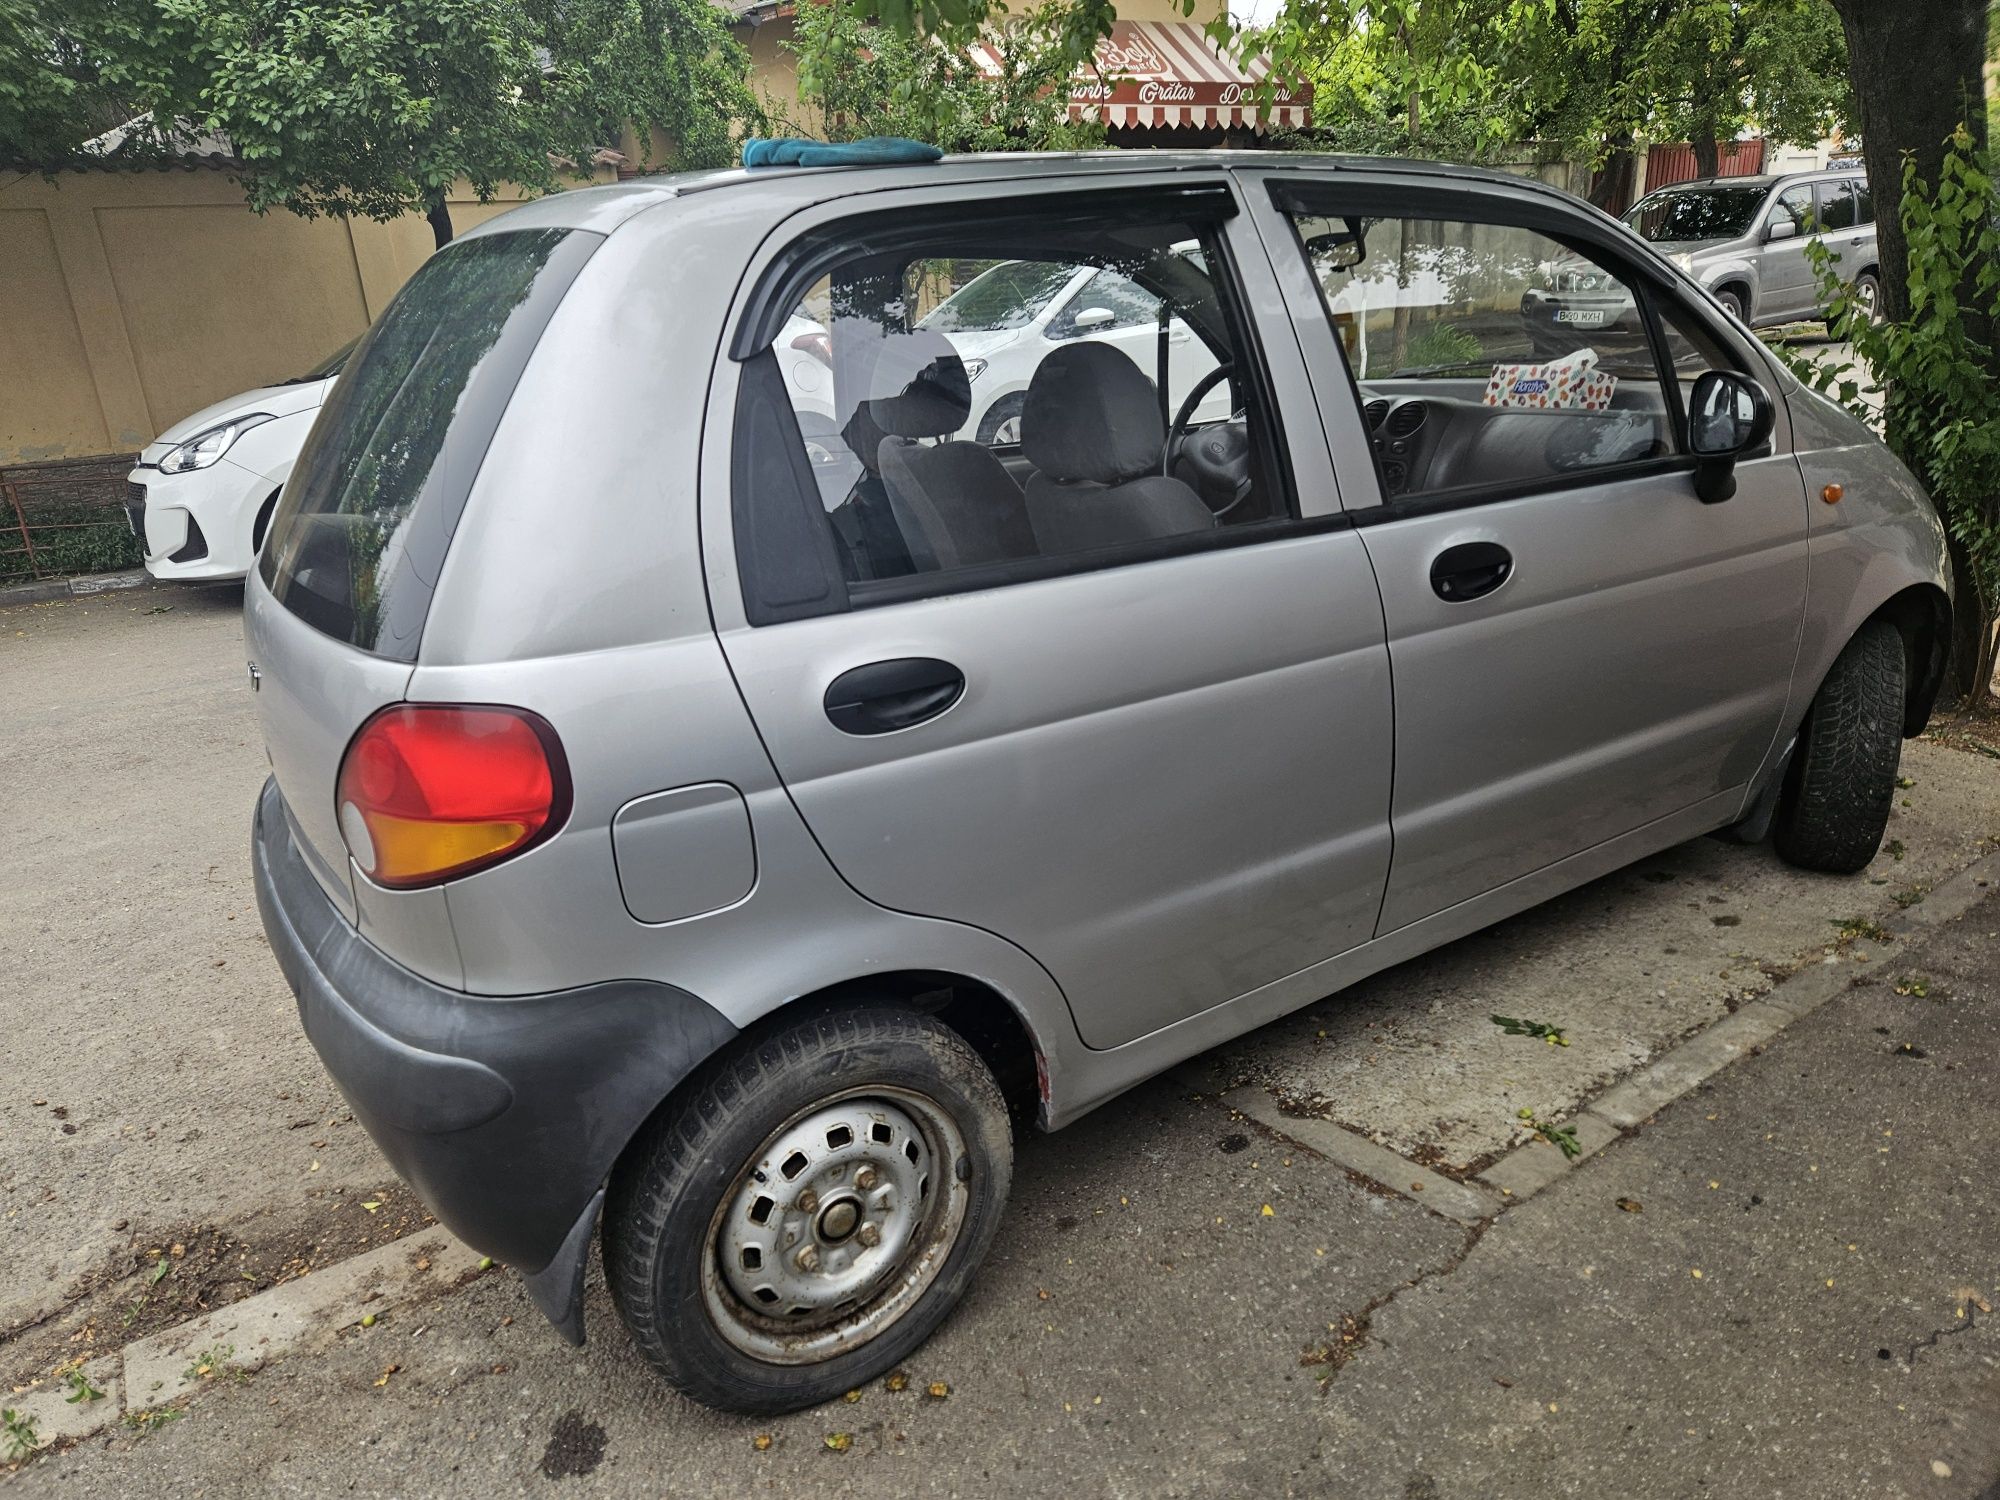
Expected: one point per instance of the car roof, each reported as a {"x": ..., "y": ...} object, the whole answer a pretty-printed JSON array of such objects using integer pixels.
[
  {"x": 603, "y": 208},
  {"x": 1760, "y": 179}
]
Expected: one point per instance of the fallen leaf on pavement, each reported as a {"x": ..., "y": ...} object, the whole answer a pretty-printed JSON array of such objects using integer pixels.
[{"x": 1632, "y": 1205}]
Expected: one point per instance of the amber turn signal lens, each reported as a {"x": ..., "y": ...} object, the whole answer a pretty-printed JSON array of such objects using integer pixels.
[{"x": 1831, "y": 494}]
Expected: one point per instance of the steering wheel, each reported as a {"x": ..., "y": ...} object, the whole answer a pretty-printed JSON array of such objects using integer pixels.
[{"x": 1219, "y": 455}]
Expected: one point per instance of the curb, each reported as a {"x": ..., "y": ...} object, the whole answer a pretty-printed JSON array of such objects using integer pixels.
[
  {"x": 79, "y": 587},
  {"x": 234, "y": 1341}
]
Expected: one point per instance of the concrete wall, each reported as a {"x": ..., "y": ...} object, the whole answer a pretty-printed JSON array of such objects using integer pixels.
[{"x": 130, "y": 299}]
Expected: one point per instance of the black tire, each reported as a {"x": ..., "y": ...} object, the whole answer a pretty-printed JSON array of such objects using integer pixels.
[
  {"x": 1733, "y": 303},
  {"x": 668, "y": 1193},
  {"x": 1843, "y": 776},
  {"x": 1007, "y": 408}
]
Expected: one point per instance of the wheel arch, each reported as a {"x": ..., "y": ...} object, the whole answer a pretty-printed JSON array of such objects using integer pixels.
[{"x": 1921, "y": 614}]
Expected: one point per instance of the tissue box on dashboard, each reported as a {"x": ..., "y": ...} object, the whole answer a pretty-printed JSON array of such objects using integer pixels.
[{"x": 1572, "y": 383}]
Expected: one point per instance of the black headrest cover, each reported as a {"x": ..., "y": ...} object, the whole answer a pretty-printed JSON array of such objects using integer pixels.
[{"x": 1092, "y": 414}]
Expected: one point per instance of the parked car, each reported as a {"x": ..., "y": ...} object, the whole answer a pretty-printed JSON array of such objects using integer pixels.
[
  {"x": 1005, "y": 320},
  {"x": 202, "y": 494},
  {"x": 1745, "y": 238},
  {"x": 663, "y": 849}
]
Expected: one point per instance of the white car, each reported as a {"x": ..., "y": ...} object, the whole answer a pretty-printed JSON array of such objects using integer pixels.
[
  {"x": 203, "y": 491},
  {"x": 1004, "y": 322}
]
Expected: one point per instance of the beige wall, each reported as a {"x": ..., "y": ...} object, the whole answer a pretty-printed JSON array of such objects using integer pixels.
[{"x": 130, "y": 299}]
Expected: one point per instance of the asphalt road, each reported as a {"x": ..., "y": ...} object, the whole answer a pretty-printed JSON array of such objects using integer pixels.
[{"x": 1143, "y": 1327}]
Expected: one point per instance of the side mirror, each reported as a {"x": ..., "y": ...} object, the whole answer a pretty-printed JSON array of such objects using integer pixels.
[
  {"x": 1093, "y": 317},
  {"x": 1728, "y": 415},
  {"x": 1780, "y": 229}
]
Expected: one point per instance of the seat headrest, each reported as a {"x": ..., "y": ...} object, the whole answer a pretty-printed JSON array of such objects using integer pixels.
[
  {"x": 1092, "y": 414},
  {"x": 916, "y": 386}
]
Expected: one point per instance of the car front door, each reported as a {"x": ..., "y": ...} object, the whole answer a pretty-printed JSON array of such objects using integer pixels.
[
  {"x": 1146, "y": 743},
  {"x": 1584, "y": 652}
]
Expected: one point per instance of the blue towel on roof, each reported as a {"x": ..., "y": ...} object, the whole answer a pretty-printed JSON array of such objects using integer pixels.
[{"x": 796, "y": 151}]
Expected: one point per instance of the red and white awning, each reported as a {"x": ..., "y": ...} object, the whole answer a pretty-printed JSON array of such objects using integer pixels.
[{"x": 1158, "y": 75}]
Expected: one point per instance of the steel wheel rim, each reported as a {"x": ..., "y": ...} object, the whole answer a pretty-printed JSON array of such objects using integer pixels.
[{"x": 866, "y": 1181}]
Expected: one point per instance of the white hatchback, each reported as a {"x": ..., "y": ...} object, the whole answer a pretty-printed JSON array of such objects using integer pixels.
[{"x": 202, "y": 493}]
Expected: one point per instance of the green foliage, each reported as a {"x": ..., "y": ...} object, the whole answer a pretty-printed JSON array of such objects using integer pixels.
[
  {"x": 1442, "y": 346},
  {"x": 1399, "y": 75},
  {"x": 1937, "y": 374},
  {"x": 377, "y": 107},
  {"x": 17, "y": 1433},
  {"x": 69, "y": 539},
  {"x": 858, "y": 78}
]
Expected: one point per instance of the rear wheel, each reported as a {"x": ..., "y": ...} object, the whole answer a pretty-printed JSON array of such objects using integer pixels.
[
  {"x": 1843, "y": 776},
  {"x": 800, "y": 1220}
]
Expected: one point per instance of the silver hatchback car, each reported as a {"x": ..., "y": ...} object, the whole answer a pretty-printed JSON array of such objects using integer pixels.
[{"x": 725, "y": 840}]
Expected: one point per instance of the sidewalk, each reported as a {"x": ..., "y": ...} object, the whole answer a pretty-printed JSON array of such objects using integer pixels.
[{"x": 1776, "y": 1287}]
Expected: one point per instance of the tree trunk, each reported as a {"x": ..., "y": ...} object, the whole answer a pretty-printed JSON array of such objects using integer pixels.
[
  {"x": 1611, "y": 187},
  {"x": 1918, "y": 72},
  {"x": 1707, "y": 151},
  {"x": 439, "y": 216}
]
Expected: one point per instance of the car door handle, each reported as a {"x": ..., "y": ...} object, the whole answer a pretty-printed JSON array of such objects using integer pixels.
[
  {"x": 885, "y": 696},
  {"x": 1470, "y": 570}
]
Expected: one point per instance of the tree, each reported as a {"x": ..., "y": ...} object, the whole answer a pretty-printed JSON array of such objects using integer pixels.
[
  {"x": 1918, "y": 73},
  {"x": 376, "y": 107},
  {"x": 860, "y": 78},
  {"x": 1715, "y": 66},
  {"x": 54, "y": 90}
]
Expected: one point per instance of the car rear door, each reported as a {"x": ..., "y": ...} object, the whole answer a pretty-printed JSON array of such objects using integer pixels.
[
  {"x": 1160, "y": 766},
  {"x": 1837, "y": 203},
  {"x": 1583, "y": 651}
]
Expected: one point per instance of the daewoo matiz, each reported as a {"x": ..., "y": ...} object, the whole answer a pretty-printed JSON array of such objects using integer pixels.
[{"x": 678, "y": 833}]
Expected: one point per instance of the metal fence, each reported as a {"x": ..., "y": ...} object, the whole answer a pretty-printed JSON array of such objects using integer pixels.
[{"x": 66, "y": 518}]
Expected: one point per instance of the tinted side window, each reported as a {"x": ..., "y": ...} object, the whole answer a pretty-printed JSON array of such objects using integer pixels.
[
  {"x": 1864, "y": 202},
  {"x": 1487, "y": 354},
  {"x": 358, "y": 540},
  {"x": 1796, "y": 204},
  {"x": 1834, "y": 204},
  {"x": 957, "y": 419}
]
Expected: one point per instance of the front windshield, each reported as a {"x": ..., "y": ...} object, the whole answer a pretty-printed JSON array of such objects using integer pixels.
[
  {"x": 328, "y": 367},
  {"x": 1716, "y": 213},
  {"x": 1010, "y": 295}
]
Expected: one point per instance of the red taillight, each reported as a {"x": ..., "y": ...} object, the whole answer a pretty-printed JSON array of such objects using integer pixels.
[
  {"x": 818, "y": 345},
  {"x": 429, "y": 791}
]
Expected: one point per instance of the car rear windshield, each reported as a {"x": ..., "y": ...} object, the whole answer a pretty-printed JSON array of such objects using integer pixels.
[
  {"x": 358, "y": 541},
  {"x": 1720, "y": 213}
]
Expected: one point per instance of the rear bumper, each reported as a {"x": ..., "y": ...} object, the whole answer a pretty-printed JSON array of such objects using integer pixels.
[{"x": 505, "y": 1114}]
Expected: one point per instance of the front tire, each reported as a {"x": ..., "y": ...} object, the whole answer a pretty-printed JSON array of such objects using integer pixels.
[
  {"x": 1843, "y": 777},
  {"x": 1733, "y": 303},
  {"x": 801, "y": 1219}
]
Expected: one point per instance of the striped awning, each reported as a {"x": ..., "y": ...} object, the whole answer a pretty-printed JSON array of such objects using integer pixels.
[{"x": 1158, "y": 75}]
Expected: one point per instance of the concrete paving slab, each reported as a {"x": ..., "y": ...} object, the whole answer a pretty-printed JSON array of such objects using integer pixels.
[
  {"x": 1627, "y": 966},
  {"x": 1777, "y": 1289},
  {"x": 63, "y": 1411}
]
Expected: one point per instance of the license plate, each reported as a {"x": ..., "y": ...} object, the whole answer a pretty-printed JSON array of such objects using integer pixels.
[{"x": 1582, "y": 317}]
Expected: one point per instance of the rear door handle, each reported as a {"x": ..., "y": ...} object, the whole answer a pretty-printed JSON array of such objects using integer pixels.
[
  {"x": 885, "y": 696},
  {"x": 1470, "y": 570}
]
